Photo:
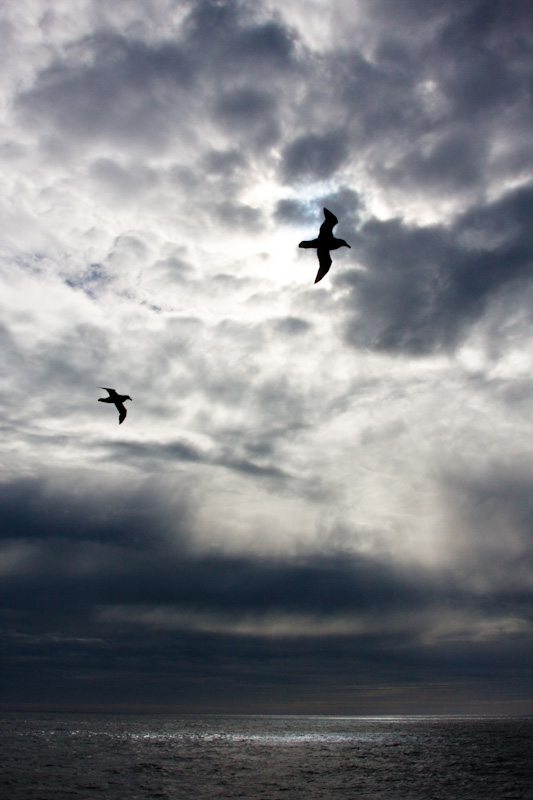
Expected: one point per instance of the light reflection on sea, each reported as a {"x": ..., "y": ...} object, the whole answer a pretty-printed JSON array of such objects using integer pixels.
[{"x": 136, "y": 757}]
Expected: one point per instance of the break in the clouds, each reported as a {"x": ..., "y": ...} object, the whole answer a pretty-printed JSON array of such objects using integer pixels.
[{"x": 320, "y": 497}]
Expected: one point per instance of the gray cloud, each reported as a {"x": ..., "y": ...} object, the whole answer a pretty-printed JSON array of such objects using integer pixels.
[
  {"x": 250, "y": 112},
  {"x": 293, "y": 326},
  {"x": 114, "y": 90},
  {"x": 127, "y": 582},
  {"x": 224, "y": 162},
  {"x": 182, "y": 451},
  {"x": 454, "y": 163},
  {"x": 422, "y": 288},
  {"x": 292, "y": 212},
  {"x": 314, "y": 157},
  {"x": 120, "y": 182},
  {"x": 229, "y": 33},
  {"x": 238, "y": 214},
  {"x": 497, "y": 501}
]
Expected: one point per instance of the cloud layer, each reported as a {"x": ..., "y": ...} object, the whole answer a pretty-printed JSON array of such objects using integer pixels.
[{"x": 320, "y": 498}]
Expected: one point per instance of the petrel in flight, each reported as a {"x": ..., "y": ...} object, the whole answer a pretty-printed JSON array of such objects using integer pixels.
[
  {"x": 324, "y": 243},
  {"x": 118, "y": 400}
]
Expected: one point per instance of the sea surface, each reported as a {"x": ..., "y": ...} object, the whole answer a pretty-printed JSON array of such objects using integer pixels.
[{"x": 55, "y": 757}]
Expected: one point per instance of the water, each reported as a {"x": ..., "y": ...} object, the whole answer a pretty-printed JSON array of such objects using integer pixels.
[{"x": 55, "y": 757}]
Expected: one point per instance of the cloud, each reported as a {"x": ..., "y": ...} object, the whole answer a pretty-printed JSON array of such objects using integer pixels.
[
  {"x": 422, "y": 289},
  {"x": 313, "y": 157},
  {"x": 128, "y": 587},
  {"x": 237, "y": 39},
  {"x": 291, "y": 211},
  {"x": 316, "y": 486},
  {"x": 113, "y": 90},
  {"x": 135, "y": 544},
  {"x": 249, "y": 114},
  {"x": 293, "y": 326},
  {"x": 495, "y": 500}
]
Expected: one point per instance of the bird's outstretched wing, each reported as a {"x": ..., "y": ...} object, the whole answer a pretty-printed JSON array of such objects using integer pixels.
[
  {"x": 329, "y": 223},
  {"x": 324, "y": 259},
  {"x": 111, "y": 392},
  {"x": 309, "y": 244},
  {"x": 121, "y": 412}
]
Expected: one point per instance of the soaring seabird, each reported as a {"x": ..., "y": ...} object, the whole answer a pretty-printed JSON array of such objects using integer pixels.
[
  {"x": 118, "y": 400},
  {"x": 324, "y": 243}
]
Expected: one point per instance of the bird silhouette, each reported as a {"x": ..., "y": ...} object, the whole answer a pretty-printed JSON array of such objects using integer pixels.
[
  {"x": 324, "y": 243},
  {"x": 118, "y": 400}
]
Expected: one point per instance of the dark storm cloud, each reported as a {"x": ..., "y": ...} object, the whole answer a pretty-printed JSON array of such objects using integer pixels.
[
  {"x": 452, "y": 163},
  {"x": 445, "y": 110},
  {"x": 250, "y": 114},
  {"x": 424, "y": 100},
  {"x": 421, "y": 288},
  {"x": 211, "y": 672},
  {"x": 491, "y": 48},
  {"x": 292, "y": 212},
  {"x": 132, "y": 546},
  {"x": 227, "y": 33},
  {"x": 267, "y": 43},
  {"x": 314, "y": 157},
  {"x": 111, "y": 88},
  {"x": 106, "y": 588},
  {"x": 379, "y": 101},
  {"x": 34, "y": 508},
  {"x": 244, "y": 107},
  {"x": 436, "y": 86}
]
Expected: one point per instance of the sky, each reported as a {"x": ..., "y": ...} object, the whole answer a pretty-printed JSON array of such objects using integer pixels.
[{"x": 321, "y": 500}]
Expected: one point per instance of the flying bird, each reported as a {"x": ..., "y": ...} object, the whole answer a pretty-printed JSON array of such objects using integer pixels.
[
  {"x": 118, "y": 400},
  {"x": 324, "y": 243}
]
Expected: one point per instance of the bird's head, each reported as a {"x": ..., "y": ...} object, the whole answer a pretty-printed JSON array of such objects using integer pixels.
[
  {"x": 344, "y": 244},
  {"x": 128, "y": 398}
]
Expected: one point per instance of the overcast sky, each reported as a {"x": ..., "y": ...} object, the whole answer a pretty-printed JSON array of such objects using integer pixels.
[{"x": 321, "y": 499}]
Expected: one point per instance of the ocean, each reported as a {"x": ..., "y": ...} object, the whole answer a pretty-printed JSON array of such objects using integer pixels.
[{"x": 122, "y": 757}]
